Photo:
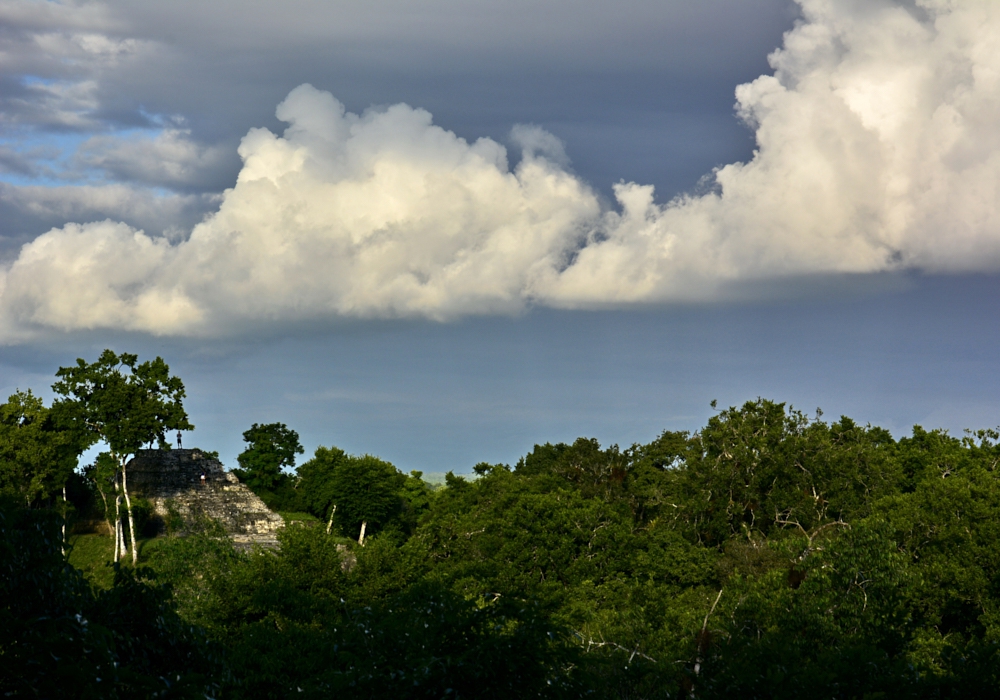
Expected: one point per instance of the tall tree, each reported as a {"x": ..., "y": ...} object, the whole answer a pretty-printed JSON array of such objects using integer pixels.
[
  {"x": 270, "y": 448},
  {"x": 37, "y": 455},
  {"x": 125, "y": 405},
  {"x": 316, "y": 482},
  {"x": 366, "y": 491}
]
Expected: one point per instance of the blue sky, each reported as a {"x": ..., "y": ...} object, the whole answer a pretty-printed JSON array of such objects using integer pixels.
[{"x": 432, "y": 283}]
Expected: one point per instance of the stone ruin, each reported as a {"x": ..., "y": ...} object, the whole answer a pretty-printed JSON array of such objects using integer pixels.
[{"x": 172, "y": 482}]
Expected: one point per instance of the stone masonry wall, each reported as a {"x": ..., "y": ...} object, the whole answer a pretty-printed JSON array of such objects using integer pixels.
[{"x": 171, "y": 479}]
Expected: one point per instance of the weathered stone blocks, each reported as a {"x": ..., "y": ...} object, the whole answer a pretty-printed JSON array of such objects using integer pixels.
[{"x": 193, "y": 485}]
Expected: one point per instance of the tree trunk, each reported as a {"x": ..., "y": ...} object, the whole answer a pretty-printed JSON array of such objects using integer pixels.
[
  {"x": 703, "y": 641},
  {"x": 118, "y": 521},
  {"x": 131, "y": 520},
  {"x": 364, "y": 526},
  {"x": 329, "y": 524},
  {"x": 105, "y": 499},
  {"x": 62, "y": 547}
]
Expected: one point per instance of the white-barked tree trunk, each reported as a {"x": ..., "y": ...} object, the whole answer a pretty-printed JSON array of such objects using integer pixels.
[
  {"x": 131, "y": 520},
  {"x": 329, "y": 524}
]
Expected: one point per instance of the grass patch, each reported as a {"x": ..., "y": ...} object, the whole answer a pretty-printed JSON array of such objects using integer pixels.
[
  {"x": 92, "y": 554},
  {"x": 148, "y": 548},
  {"x": 299, "y": 517}
]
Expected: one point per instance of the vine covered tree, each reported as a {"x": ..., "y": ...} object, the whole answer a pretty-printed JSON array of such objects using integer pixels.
[{"x": 125, "y": 405}]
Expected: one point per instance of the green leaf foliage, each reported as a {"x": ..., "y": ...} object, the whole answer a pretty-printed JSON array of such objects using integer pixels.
[
  {"x": 350, "y": 490},
  {"x": 270, "y": 449},
  {"x": 317, "y": 478},
  {"x": 38, "y": 452},
  {"x": 122, "y": 403},
  {"x": 770, "y": 554},
  {"x": 760, "y": 468}
]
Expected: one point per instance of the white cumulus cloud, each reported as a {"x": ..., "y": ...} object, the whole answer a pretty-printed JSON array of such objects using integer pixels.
[{"x": 878, "y": 148}]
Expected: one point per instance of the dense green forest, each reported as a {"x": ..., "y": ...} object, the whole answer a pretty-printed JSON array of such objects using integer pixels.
[{"x": 770, "y": 554}]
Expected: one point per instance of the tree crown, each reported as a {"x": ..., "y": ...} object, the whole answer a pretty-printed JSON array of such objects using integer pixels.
[
  {"x": 270, "y": 448},
  {"x": 121, "y": 402}
]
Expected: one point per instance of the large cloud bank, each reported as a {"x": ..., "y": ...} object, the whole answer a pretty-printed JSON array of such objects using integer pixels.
[{"x": 878, "y": 149}]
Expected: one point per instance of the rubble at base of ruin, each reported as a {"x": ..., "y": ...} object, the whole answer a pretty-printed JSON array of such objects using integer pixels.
[{"x": 190, "y": 486}]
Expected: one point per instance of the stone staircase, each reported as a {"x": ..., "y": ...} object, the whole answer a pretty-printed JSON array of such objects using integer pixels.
[{"x": 193, "y": 485}]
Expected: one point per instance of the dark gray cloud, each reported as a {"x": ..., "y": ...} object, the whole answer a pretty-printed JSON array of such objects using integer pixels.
[
  {"x": 169, "y": 159},
  {"x": 478, "y": 68},
  {"x": 55, "y": 57},
  {"x": 13, "y": 162},
  {"x": 225, "y": 65}
]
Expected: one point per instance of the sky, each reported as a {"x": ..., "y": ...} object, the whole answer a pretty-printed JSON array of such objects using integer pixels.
[{"x": 442, "y": 232}]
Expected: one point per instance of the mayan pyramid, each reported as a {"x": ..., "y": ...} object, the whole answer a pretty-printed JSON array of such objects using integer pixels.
[{"x": 194, "y": 485}]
